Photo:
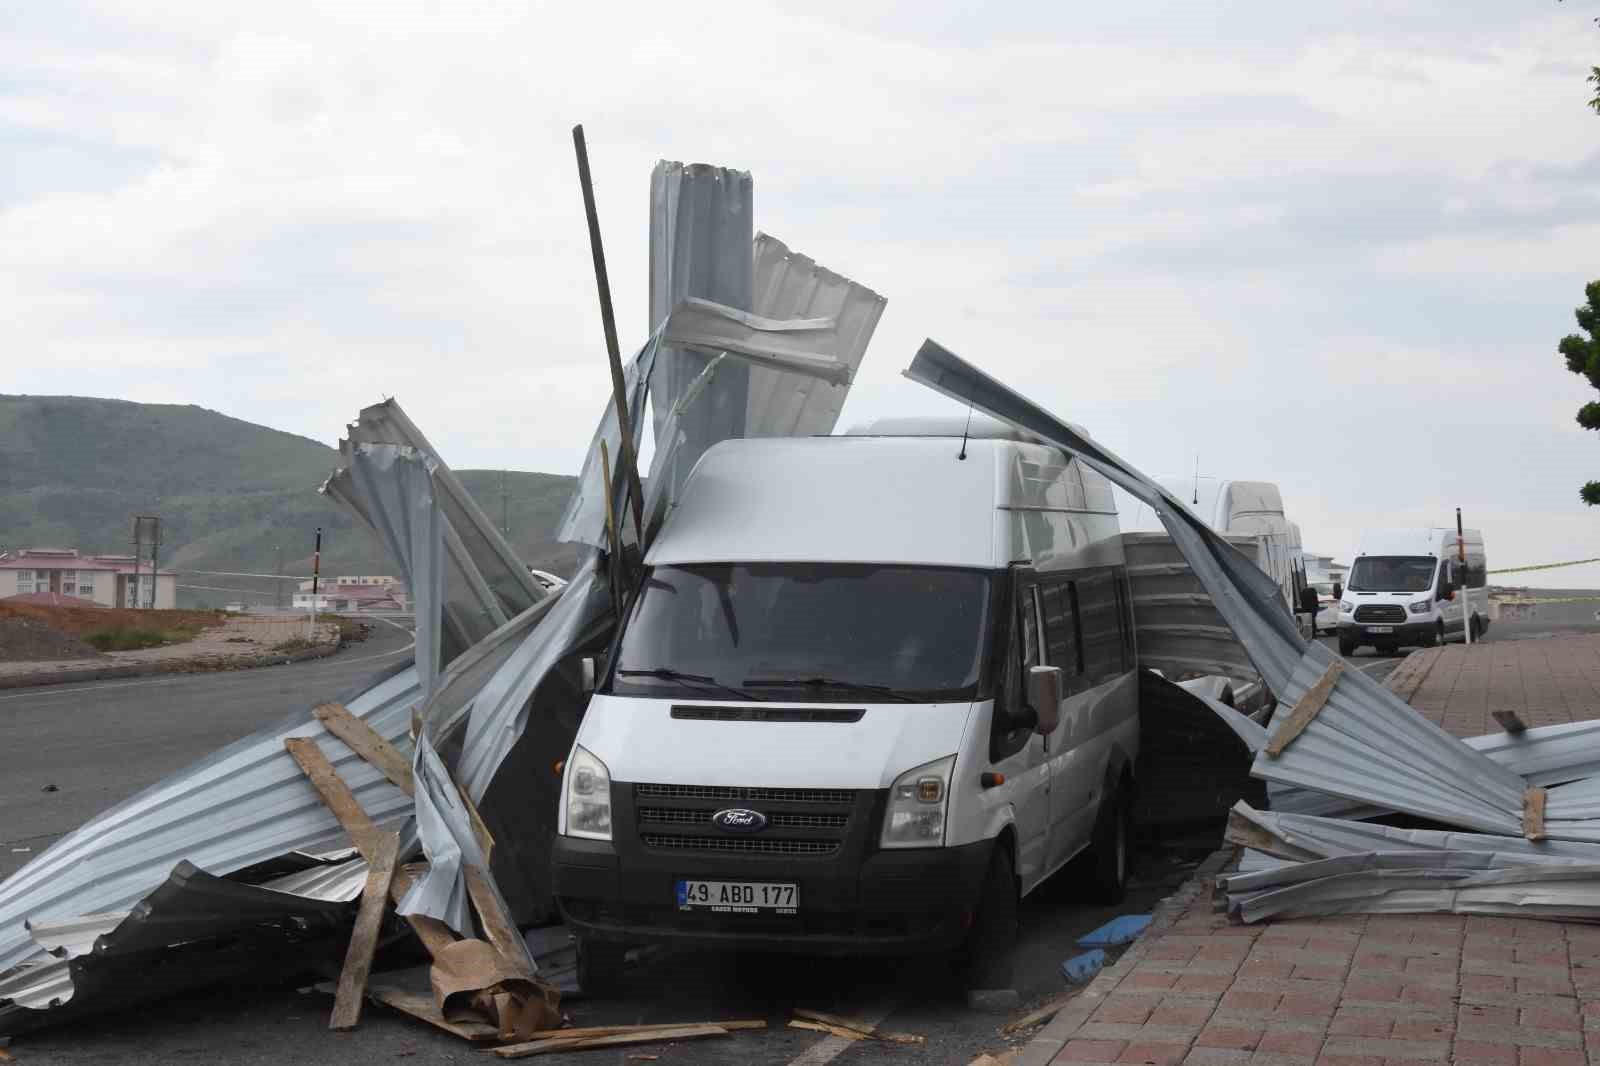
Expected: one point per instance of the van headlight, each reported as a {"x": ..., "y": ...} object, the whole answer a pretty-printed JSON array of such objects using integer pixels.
[
  {"x": 1346, "y": 606},
  {"x": 918, "y": 800},
  {"x": 1421, "y": 607},
  {"x": 588, "y": 796}
]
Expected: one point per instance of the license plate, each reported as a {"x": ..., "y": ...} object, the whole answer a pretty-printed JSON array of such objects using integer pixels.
[
  {"x": 1380, "y": 629},
  {"x": 738, "y": 897}
]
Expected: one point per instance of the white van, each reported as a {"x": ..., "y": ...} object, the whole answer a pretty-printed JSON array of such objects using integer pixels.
[
  {"x": 1412, "y": 587},
  {"x": 873, "y": 690}
]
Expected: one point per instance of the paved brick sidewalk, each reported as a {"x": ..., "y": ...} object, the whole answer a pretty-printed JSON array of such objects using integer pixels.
[
  {"x": 1546, "y": 681},
  {"x": 1380, "y": 990}
]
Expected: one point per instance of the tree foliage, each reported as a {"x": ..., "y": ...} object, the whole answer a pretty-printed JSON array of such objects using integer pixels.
[{"x": 1583, "y": 357}]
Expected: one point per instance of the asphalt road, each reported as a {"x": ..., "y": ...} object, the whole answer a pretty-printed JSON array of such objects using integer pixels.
[{"x": 74, "y": 750}]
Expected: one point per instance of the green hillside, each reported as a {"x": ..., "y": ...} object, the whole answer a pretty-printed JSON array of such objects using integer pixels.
[{"x": 232, "y": 495}]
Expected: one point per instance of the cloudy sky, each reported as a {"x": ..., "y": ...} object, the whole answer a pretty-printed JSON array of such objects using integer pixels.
[{"x": 1331, "y": 246}]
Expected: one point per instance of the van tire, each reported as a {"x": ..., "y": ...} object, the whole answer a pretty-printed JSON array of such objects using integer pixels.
[
  {"x": 1108, "y": 850},
  {"x": 1347, "y": 647},
  {"x": 600, "y": 966},
  {"x": 985, "y": 958}
]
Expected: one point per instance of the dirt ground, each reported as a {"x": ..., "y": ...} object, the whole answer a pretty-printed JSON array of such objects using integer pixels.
[
  {"x": 77, "y": 621},
  {"x": 28, "y": 639}
]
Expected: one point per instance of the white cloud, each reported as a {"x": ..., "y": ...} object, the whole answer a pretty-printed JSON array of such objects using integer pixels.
[{"x": 1219, "y": 229}]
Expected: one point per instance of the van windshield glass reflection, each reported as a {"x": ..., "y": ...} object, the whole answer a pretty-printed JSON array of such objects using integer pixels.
[
  {"x": 806, "y": 631},
  {"x": 1392, "y": 573}
]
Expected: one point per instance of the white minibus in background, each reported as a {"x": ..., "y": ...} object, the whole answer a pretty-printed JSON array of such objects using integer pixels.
[
  {"x": 875, "y": 688},
  {"x": 1414, "y": 587}
]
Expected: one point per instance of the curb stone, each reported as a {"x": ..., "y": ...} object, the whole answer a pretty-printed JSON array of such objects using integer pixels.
[
  {"x": 1048, "y": 1043},
  {"x": 163, "y": 666}
]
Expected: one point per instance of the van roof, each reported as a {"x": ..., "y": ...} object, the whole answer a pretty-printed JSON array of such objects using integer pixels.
[{"x": 870, "y": 499}]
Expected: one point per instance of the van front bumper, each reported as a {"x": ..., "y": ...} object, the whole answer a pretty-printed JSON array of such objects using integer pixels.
[
  {"x": 1418, "y": 633},
  {"x": 896, "y": 902}
]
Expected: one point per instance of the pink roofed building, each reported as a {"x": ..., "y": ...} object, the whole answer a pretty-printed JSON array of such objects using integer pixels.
[{"x": 106, "y": 580}]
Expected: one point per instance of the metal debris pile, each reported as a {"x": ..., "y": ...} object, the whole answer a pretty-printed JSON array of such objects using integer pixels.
[{"x": 421, "y": 804}]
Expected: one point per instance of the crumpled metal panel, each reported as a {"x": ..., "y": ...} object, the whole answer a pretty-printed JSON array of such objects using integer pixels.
[
  {"x": 1369, "y": 747},
  {"x": 1301, "y": 836},
  {"x": 244, "y": 804},
  {"x": 494, "y": 560},
  {"x": 701, "y": 227},
  {"x": 1178, "y": 630},
  {"x": 789, "y": 285},
  {"x": 1450, "y": 882},
  {"x": 445, "y": 829}
]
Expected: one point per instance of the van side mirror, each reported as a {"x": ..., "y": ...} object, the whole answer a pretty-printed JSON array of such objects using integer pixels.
[
  {"x": 1044, "y": 697},
  {"x": 1447, "y": 591},
  {"x": 588, "y": 672}
]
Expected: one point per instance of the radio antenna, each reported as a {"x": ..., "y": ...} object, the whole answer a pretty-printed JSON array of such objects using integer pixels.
[{"x": 965, "y": 430}]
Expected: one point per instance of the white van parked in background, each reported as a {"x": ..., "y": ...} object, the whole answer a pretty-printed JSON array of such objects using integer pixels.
[
  {"x": 874, "y": 689},
  {"x": 1411, "y": 587}
]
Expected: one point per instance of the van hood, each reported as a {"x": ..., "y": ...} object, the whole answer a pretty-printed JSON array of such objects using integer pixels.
[{"x": 639, "y": 740}]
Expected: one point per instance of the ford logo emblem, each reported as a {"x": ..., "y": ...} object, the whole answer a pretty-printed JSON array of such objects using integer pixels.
[{"x": 739, "y": 820}]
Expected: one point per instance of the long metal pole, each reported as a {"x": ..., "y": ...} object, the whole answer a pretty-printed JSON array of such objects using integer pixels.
[
  {"x": 1466, "y": 586},
  {"x": 316, "y": 575},
  {"x": 628, "y": 458}
]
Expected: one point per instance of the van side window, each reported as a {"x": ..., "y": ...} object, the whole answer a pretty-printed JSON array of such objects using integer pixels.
[
  {"x": 1100, "y": 616},
  {"x": 1011, "y": 637},
  {"x": 1063, "y": 642}
]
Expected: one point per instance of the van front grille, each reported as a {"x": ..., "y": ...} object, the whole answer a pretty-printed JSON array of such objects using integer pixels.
[
  {"x": 746, "y": 845},
  {"x": 798, "y": 821},
  {"x": 1380, "y": 612},
  {"x": 841, "y": 797}
]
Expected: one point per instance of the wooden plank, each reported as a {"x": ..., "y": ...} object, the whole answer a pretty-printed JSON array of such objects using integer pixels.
[
  {"x": 585, "y": 1032},
  {"x": 1040, "y": 1015},
  {"x": 364, "y": 938},
  {"x": 498, "y": 928},
  {"x": 864, "y": 1028},
  {"x": 362, "y": 739},
  {"x": 840, "y": 1031},
  {"x": 433, "y": 933},
  {"x": 423, "y": 1009},
  {"x": 1508, "y": 721},
  {"x": 480, "y": 832},
  {"x": 1533, "y": 814},
  {"x": 336, "y": 795},
  {"x": 1305, "y": 710},
  {"x": 651, "y": 1036}
]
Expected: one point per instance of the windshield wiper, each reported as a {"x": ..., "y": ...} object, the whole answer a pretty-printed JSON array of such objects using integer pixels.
[
  {"x": 828, "y": 682},
  {"x": 666, "y": 673}
]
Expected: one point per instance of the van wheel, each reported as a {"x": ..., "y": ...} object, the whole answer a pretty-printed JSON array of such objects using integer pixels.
[
  {"x": 600, "y": 966},
  {"x": 1347, "y": 647},
  {"x": 985, "y": 958},
  {"x": 1477, "y": 628},
  {"x": 1108, "y": 878}
]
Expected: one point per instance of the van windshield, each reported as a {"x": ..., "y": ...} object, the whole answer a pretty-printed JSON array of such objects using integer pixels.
[
  {"x": 806, "y": 632},
  {"x": 1392, "y": 573}
]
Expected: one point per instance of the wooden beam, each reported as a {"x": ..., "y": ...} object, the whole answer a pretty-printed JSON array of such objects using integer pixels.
[
  {"x": 1305, "y": 710},
  {"x": 866, "y": 1029},
  {"x": 1533, "y": 814},
  {"x": 649, "y": 1036},
  {"x": 364, "y": 938},
  {"x": 362, "y": 739},
  {"x": 1040, "y": 1015},
  {"x": 584, "y": 1032},
  {"x": 338, "y": 798},
  {"x": 498, "y": 928}
]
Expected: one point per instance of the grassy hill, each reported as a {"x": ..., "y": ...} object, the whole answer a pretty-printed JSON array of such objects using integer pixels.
[{"x": 231, "y": 494}]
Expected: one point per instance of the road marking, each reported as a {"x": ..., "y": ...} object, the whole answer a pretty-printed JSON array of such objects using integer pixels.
[
  {"x": 1380, "y": 662},
  {"x": 62, "y": 689},
  {"x": 829, "y": 1047}
]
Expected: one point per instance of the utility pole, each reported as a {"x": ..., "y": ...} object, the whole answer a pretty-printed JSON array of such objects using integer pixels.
[{"x": 316, "y": 574}]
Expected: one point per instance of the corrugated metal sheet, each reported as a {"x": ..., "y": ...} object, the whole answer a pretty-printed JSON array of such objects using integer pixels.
[
  {"x": 244, "y": 804},
  {"x": 1178, "y": 629}
]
